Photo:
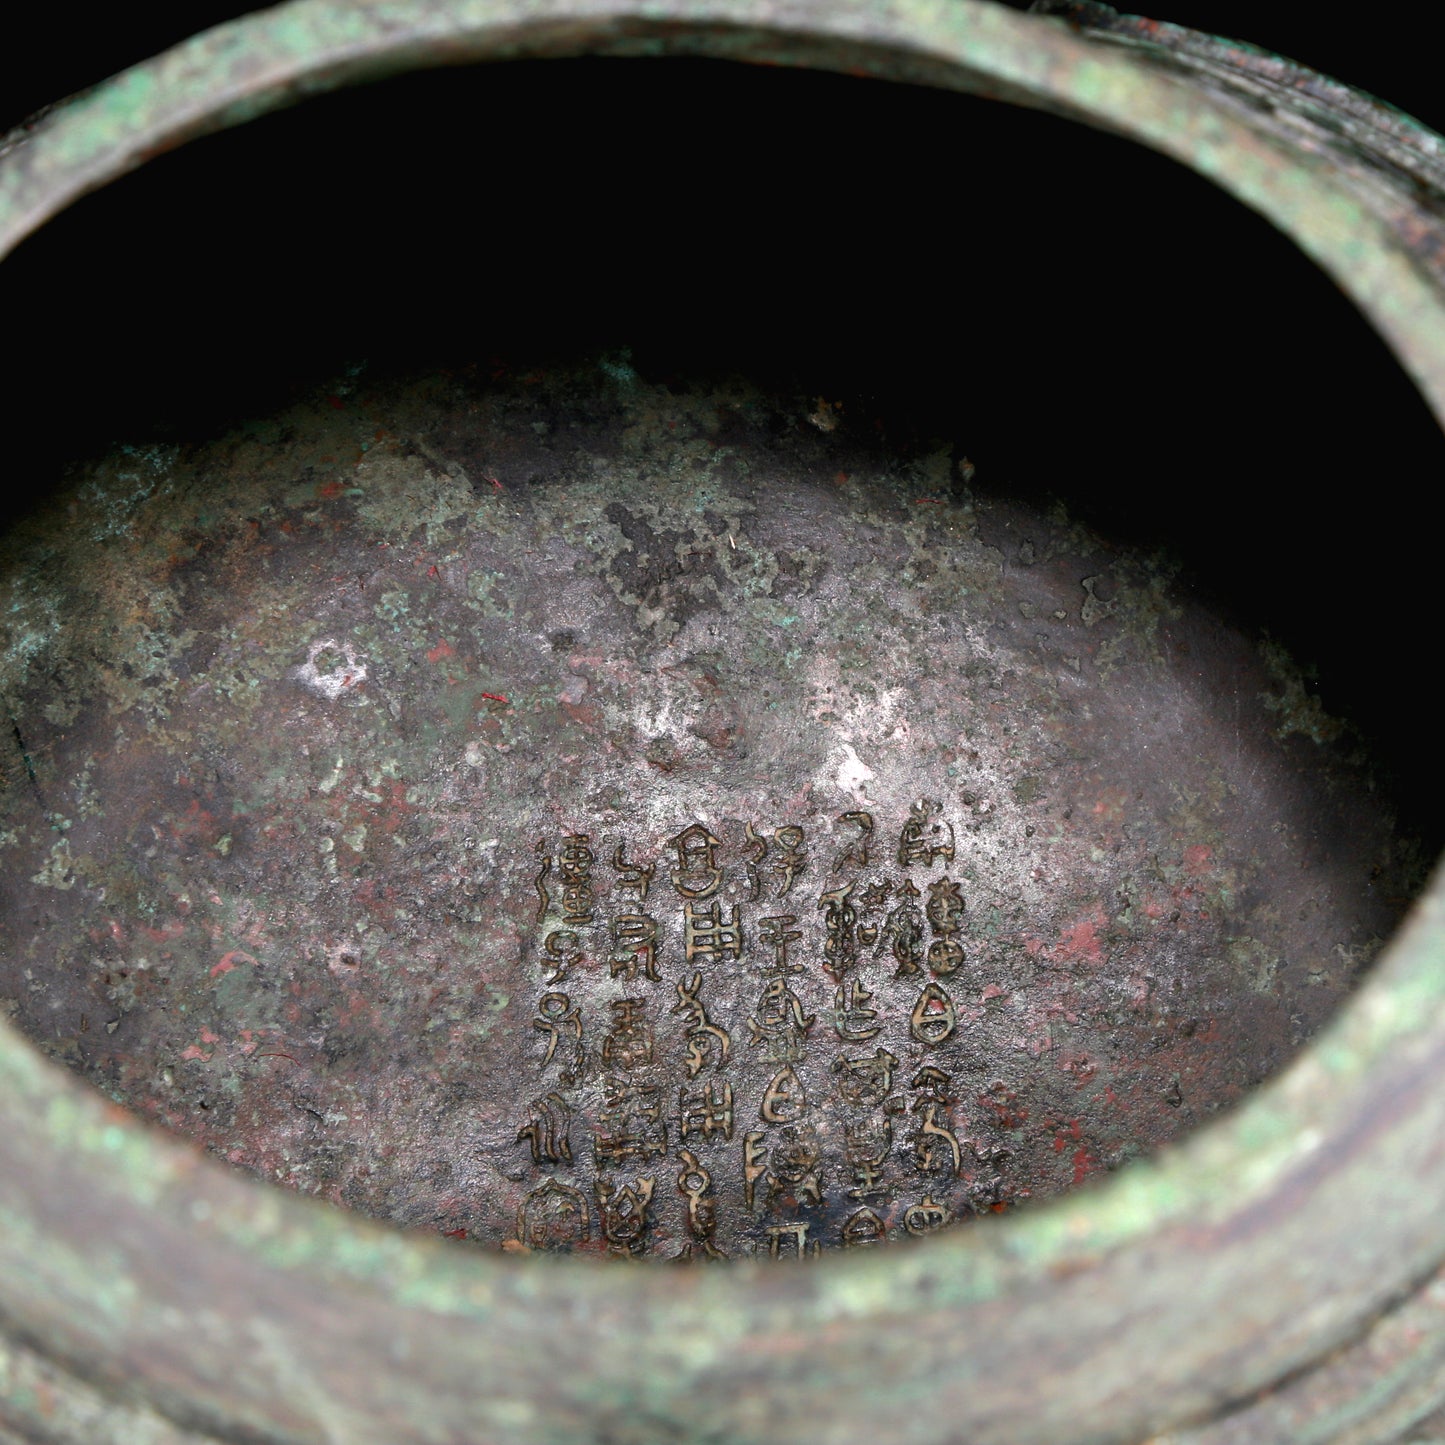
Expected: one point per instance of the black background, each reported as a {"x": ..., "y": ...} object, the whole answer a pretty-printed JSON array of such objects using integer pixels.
[{"x": 1086, "y": 318}]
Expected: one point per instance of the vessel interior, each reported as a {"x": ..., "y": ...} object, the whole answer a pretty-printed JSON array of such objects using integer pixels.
[{"x": 656, "y": 659}]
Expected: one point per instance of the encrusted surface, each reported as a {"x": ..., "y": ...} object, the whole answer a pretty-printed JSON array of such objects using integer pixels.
[{"x": 563, "y": 808}]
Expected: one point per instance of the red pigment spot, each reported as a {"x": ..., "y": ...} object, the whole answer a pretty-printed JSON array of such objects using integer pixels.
[
  {"x": 192, "y": 1051},
  {"x": 337, "y": 402},
  {"x": 927, "y": 502},
  {"x": 432, "y": 571},
  {"x": 1032, "y": 944},
  {"x": 441, "y": 650},
  {"x": 228, "y": 962},
  {"x": 1084, "y": 1165},
  {"x": 841, "y": 478},
  {"x": 492, "y": 696},
  {"x": 1074, "y": 1130},
  {"x": 456, "y": 1233},
  {"x": 329, "y": 490},
  {"x": 1081, "y": 942},
  {"x": 496, "y": 485},
  {"x": 992, "y": 991},
  {"x": 1110, "y": 805},
  {"x": 1196, "y": 859},
  {"x": 207, "y": 1037}
]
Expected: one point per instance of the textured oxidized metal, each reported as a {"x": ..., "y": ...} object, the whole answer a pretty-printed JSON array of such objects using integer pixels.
[
  {"x": 566, "y": 811},
  {"x": 664, "y": 1062}
]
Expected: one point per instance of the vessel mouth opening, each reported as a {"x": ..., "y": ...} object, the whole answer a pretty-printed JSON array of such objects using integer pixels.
[{"x": 658, "y": 658}]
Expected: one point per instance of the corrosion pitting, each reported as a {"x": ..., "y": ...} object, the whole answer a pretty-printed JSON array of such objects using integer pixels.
[{"x": 567, "y": 812}]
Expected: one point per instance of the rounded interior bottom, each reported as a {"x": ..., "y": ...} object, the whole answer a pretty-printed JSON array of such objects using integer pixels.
[{"x": 573, "y": 810}]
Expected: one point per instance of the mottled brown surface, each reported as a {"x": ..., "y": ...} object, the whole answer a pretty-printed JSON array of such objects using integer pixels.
[{"x": 302, "y": 723}]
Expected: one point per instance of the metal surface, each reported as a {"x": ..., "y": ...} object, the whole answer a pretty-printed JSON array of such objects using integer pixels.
[
  {"x": 568, "y": 810},
  {"x": 1234, "y": 1261}
]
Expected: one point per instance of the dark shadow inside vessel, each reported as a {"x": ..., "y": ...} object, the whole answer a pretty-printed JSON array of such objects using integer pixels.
[{"x": 1088, "y": 320}]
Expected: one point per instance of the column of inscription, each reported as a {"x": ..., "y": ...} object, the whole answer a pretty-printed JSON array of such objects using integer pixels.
[
  {"x": 863, "y": 1081},
  {"x": 556, "y": 1215},
  {"x": 629, "y": 1138},
  {"x": 712, "y": 944},
  {"x": 783, "y": 1173}
]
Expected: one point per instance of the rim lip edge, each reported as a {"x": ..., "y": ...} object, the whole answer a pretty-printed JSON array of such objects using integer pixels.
[{"x": 1261, "y": 1139}]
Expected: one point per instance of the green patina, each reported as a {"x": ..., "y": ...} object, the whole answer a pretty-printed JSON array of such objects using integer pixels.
[{"x": 688, "y": 1332}]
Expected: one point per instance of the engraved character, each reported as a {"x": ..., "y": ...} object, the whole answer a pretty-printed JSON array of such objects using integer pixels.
[
  {"x": 840, "y": 943},
  {"x": 633, "y": 878},
  {"x": 755, "y": 1163},
  {"x": 574, "y": 866},
  {"x": 554, "y": 1217},
  {"x": 865, "y": 1082},
  {"x": 932, "y": 1083},
  {"x": 794, "y": 1171},
  {"x": 629, "y": 1045},
  {"x": 778, "y": 932},
  {"x": 926, "y": 1216},
  {"x": 920, "y": 840},
  {"x": 874, "y": 896},
  {"x": 870, "y": 900},
  {"x": 705, "y": 935},
  {"x": 784, "y": 1100},
  {"x": 945, "y": 913},
  {"x": 694, "y": 1183},
  {"x": 785, "y": 867},
  {"x": 707, "y": 1115},
  {"x": 853, "y": 1020},
  {"x": 548, "y": 1121},
  {"x": 697, "y": 874},
  {"x": 625, "y": 1216},
  {"x": 563, "y": 951},
  {"x": 934, "y": 1017},
  {"x": 935, "y": 1146},
  {"x": 779, "y": 1023},
  {"x": 702, "y": 1034},
  {"x": 544, "y": 898},
  {"x": 903, "y": 930},
  {"x": 629, "y": 1124},
  {"x": 866, "y": 1145},
  {"x": 790, "y": 1241},
  {"x": 758, "y": 847},
  {"x": 863, "y": 1228},
  {"x": 634, "y": 942},
  {"x": 559, "y": 1018},
  {"x": 855, "y": 853}
]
